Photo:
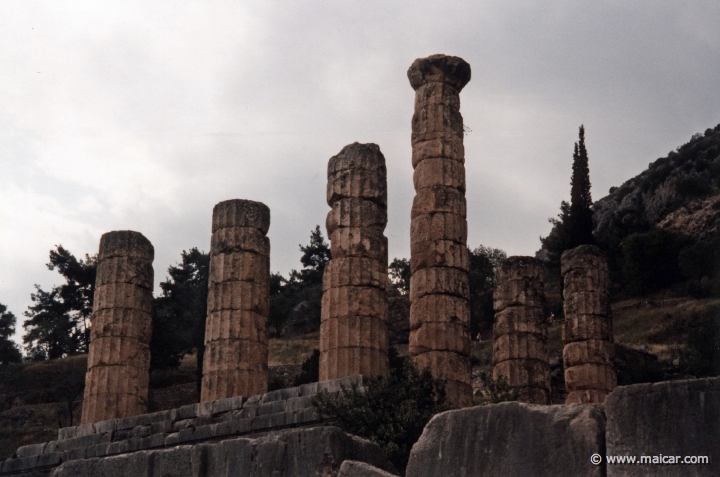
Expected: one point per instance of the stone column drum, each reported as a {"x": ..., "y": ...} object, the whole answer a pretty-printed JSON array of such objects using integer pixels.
[
  {"x": 439, "y": 313},
  {"x": 116, "y": 383},
  {"x": 353, "y": 328},
  {"x": 520, "y": 331},
  {"x": 236, "y": 338},
  {"x": 589, "y": 351}
]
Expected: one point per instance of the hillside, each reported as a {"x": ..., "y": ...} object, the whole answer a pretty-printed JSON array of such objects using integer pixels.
[{"x": 678, "y": 192}]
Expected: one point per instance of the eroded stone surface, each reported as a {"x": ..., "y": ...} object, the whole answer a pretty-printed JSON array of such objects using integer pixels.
[
  {"x": 353, "y": 329},
  {"x": 116, "y": 383},
  {"x": 439, "y": 315},
  {"x": 235, "y": 361},
  {"x": 672, "y": 418},
  {"x": 587, "y": 332},
  {"x": 511, "y": 440},
  {"x": 520, "y": 332}
]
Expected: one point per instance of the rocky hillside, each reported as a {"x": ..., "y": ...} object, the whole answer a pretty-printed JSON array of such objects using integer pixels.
[{"x": 680, "y": 192}]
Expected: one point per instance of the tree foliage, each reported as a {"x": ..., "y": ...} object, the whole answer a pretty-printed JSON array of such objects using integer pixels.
[
  {"x": 179, "y": 313},
  {"x": 58, "y": 322},
  {"x": 9, "y": 352},
  {"x": 310, "y": 370},
  {"x": 481, "y": 280},
  {"x": 300, "y": 286},
  {"x": 391, "y": 411},
  {"x": 399, "y": 274},
  {"x": 650, "y": 260},
  {"x": 573, "y": 225},
  {"x": 580, "y": 215}
]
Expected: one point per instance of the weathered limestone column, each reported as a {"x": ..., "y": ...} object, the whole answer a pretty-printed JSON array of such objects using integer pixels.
[
  {"x": 236, "y": 339},
  {"x": 116, "y": 383},
  {"x": 439, "y": 314},
  {"x": 587, "y": 332},
  {"x": 353, "y": 328},
  {"x": 520, "y": 332}
]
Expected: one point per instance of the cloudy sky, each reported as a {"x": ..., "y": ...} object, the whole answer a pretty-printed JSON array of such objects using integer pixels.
[{"x": 143, "y": 115}]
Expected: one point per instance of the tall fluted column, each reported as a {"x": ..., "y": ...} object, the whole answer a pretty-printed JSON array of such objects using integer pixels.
[
  {"x": 520, "y": 332},
  {"x": 116, "y": 383},
  {"x": 439, "y": 314},
  {"x": 353, "y": 329},
  {"x": 589, "y": 351},
  {"x": 236, "y": 339}
]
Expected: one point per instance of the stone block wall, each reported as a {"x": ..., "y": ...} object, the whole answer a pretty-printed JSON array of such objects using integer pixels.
[
  {"x": 116, "y": 383},
  {"x": 353, "y": 328},
  {"x": 236, "y": 338},
  {"x": 185, "y": 426},
  {"x": 439, "y": 293}
]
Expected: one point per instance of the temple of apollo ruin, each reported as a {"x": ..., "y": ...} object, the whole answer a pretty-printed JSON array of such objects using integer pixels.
[{"x": 353, "y": 332}]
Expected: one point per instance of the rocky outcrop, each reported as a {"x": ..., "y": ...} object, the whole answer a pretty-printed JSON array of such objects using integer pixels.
[
  {"x": 116, "y": 383},
  {"x": 236, "y": 337},
  {"x": 677, "y": 192},
  {"x": 511, "y": 440},
  {"x": 672, "y": 418},
  {"x": 439, "y": 293},
  {"x": 353, "y": 324},
  {"x": 698, "y": 218}
]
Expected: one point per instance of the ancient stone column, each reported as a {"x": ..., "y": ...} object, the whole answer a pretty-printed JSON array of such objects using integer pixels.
[
  {"x": 353, "y": 328},
  {"x": 116, "y": 383},
  {"x": 439, "y": 314},
  {"x": 520, "y": 349},
  {"x": 587, "y": 332},
  {"x": 236, "y": 338}
]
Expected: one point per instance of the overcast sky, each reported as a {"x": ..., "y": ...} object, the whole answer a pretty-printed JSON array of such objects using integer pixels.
[{"x": 143, "y": 115}]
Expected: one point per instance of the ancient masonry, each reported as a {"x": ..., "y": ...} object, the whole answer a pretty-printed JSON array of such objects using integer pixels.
[
  {"x": 439, "y": 314},
  {"x": 353, "y": 329},
  {"x": 236, "y": 340},
  {"x": 520, "y": 332},
  {"x": 116, "y": 383},
  {"x": 587, "y": 332}
]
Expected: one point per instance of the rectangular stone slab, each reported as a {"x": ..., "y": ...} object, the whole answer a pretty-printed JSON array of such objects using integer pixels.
[
  {"x": 669, "y": 418},
  {"x": 511, "y": 440}
]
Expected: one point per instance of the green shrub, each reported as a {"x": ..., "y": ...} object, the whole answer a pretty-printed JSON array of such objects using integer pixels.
[
  {"x": 701, "y": 356},
  {"x": 310, "y": 370},
  {"x": 650, "y": 260},
  {"x": 390, "y": 411},
  {"x": 497, "y": 390}
]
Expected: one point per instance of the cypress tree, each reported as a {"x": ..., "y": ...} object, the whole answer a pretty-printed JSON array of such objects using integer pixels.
[
  {"x": 573, "y": 226},
  {"x": 580, "y": 217}
]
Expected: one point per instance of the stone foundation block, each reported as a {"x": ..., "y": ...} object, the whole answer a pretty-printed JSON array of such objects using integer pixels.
[{"x": 537, "y": 441}]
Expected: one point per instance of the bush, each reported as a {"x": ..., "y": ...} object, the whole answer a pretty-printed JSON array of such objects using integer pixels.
[
  {"x": 497, "y": 390},
  {"x": 701, "y": 356},
  {"x": 650, "y": 260},
  {"x": 310, "y": 370},
  {"x": 391, "y": 411}
]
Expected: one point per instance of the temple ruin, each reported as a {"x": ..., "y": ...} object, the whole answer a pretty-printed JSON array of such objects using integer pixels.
[
  {"x": 236, "y": 339},
  {"x": 520, "y": 332},
  {"x": 439, "y": 313},
  {"x": 116, "y": 383},
  {"x": 587, "y": 332},
  {"x": 353, "y": 328}
]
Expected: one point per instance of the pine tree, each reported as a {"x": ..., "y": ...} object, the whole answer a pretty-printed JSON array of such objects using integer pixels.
[
  {"x": 58, "y": 322},
  {"x": 9, "y": 352}
]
